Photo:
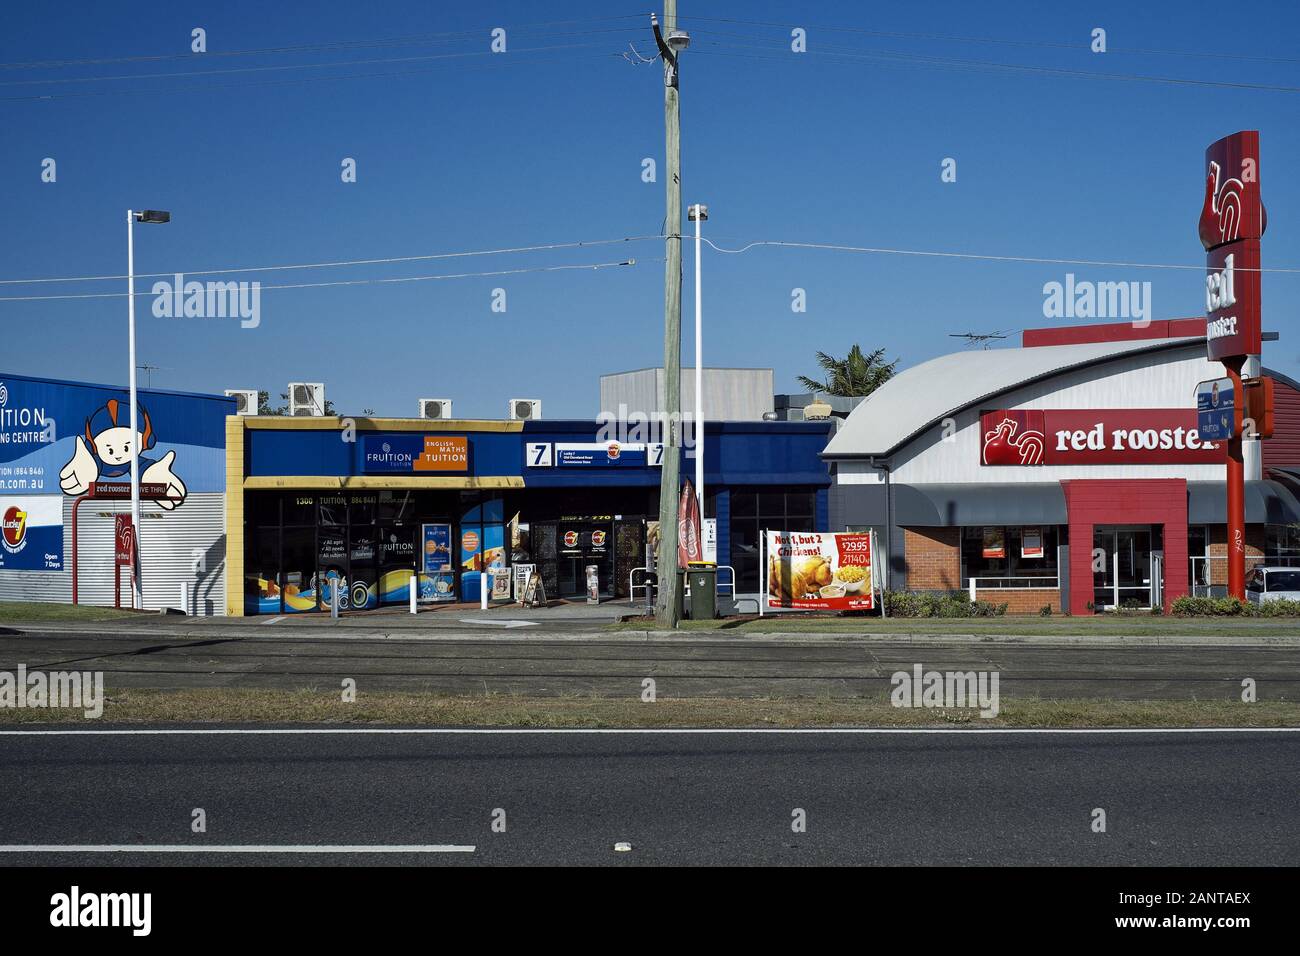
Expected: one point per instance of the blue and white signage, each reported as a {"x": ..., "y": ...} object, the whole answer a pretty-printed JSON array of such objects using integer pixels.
[
  {"x": 31, "y": 532},
  {"x": 610, "y": 454},
  {"x": 1215, "y": 409}
]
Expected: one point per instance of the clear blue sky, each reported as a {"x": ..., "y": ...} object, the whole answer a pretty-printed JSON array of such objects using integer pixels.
[{"x": 483, "y": 151}]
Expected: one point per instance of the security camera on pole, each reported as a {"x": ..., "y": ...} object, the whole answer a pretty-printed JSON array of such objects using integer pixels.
[{"x": 671, "y": 43}]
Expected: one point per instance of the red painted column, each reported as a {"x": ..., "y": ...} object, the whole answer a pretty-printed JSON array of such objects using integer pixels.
[{"x": 1236, "y": 486}]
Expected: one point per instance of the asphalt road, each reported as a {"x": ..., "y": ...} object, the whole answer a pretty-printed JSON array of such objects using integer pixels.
[
  {"x": 614, "y": 666},
  {"x": 1185, "y": 799}
]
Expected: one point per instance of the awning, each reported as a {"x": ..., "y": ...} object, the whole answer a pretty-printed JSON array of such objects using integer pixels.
[
  {"x": 955, "y": 505},
  {"x": 1267, "y": 502}
]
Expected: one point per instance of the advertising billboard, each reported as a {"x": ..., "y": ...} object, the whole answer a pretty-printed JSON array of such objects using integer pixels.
[{"x": 822, "y": 571}]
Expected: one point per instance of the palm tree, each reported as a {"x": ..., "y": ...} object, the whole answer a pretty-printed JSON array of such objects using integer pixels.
[{"x": 852, "y": 376}]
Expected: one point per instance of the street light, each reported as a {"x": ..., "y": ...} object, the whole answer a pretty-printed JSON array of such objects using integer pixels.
[
  {"x": 698, "y": 214},
  {"x": 152, "y": 216}
]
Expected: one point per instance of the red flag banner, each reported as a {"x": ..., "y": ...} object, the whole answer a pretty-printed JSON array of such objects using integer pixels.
[{"x": 689, "y": 545}]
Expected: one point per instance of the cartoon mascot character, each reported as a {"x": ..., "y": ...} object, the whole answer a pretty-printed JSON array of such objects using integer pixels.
[{"x": 105, "y": 452}]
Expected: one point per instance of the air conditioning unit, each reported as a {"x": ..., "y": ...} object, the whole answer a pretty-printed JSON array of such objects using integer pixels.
[
  {"x": 245, "y": 400},
  {"x": 435, "y": 408},
  {"x": 525, "y": 409},
  {"x": 306, "y": 398}
]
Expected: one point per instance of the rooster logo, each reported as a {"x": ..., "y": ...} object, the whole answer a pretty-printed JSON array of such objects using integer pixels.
[
  {"x": 1222, "y": 210},
  {"x": 1221, "y": 213},
  {"x": 1002, "y": 446}
]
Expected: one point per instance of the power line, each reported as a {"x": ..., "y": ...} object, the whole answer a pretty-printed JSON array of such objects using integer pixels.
[
  {"x": 991, "y": 66},
  {"x": 498, "y": 61},
  {"x": 972, "y": 255},
  {"x": 289, "y": 66},
  {"x": 340, "y": 262},
  {"x": 342, "y": 282},
  {"x": 994, "y": 40},
  {"x": 410, "y": 39}
]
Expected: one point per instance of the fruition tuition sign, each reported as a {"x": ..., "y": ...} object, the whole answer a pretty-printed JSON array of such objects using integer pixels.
[{"x": 819, "y": 571}]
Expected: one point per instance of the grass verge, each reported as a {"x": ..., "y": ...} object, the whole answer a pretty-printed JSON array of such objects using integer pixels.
[
  {"x": 1028, "y": 626},
  {"x": 233, "y": 706},
  {"x": 27, "y": 611}
]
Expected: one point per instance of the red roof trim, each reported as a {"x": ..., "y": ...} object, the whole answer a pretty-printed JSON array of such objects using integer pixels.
[{"x": 1113, "y": 332}]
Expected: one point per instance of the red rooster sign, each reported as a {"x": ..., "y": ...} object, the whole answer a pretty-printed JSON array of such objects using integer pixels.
[
  {"x": 1228, "y": 212},
  {"x": 1003, "y": 446}
]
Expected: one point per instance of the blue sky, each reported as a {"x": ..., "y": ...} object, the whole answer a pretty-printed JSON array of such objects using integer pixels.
[{"x": 477, "y": 151}]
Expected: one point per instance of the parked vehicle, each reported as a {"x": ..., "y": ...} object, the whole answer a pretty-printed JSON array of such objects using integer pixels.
[{"x": 1273, "y": 584}]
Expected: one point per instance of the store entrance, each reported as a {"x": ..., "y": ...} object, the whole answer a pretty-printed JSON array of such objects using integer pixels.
[
  {"x": 580, "y": 544},
  {"x": 1123, "y": 561}
]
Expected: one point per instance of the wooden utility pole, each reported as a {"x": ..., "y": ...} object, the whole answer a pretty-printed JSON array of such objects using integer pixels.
[{"x": 669, "y": 477}]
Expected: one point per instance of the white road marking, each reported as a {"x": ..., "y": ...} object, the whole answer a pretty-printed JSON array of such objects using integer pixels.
[
  {"x": 232, "y": 848},
  {"x": 470, "y": 620},
  {"x": 273, "y": 620},
  {"x": 862, "y": 731}
]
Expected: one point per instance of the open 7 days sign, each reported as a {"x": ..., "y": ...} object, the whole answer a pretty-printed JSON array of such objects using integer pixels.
[{"x": 1109, "y": 436}]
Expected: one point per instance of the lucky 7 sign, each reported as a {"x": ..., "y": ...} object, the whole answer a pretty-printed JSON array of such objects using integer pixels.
[{"x": 1231, "y": 225}]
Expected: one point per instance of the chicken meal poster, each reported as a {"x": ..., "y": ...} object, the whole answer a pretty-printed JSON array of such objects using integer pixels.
[{"x": 821, "y": 571}]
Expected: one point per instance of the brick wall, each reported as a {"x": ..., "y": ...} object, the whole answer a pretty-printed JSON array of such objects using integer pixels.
[
  {"x": 933, "y": 558},
  {"x": 1218, "y": 549},
  {"x": 1022, "y": 600}
]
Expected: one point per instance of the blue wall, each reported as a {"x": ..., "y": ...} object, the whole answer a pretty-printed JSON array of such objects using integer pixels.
[
  {"x": 735, "y": 453},
  {"x": 41, "y": 420}
]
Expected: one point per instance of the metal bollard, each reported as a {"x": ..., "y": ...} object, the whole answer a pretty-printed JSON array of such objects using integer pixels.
[{"x": 413, "y": 587}]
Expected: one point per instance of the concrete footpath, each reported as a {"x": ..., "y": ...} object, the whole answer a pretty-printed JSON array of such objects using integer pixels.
[{"x": 568, "y": 624}]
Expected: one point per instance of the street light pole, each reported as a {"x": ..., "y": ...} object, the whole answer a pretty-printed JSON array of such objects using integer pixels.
[
  {"x": 137, "y": 594},
  {"x": 671, "y": 44},
  {"x": 698, "y": 214},
  {"x": 154, "y": 216}
]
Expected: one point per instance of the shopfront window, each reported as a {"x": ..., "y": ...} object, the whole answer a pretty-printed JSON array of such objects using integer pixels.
[
  {"x": 1010, "y": 557},
  {"x": 752, "y": 513},
  {"x": 303, "y": 548},
  {"x": 1198, "y": 560},
  {"x": 1282, "y": 545}
]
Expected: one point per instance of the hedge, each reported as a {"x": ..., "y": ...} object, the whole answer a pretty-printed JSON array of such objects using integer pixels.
[
  {"x": 910, "y": 604},
  {"x": 1231, "y": 607}
]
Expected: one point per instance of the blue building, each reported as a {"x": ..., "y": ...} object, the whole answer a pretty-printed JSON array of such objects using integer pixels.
[
  {"x": 64, "y": 480},
  {"x": 360, "y": 504}
]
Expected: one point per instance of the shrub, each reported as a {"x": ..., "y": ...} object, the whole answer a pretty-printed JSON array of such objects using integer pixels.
[
  {"x": 1045, "y": 611},
  {"x": 1231, "y": 607},
  {"x": 1188, "y": 606},
  {"x": 911, "y": 604}
]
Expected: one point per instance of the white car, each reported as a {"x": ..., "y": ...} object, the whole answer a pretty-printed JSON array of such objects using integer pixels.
[{"x": 1273, "y": 584}]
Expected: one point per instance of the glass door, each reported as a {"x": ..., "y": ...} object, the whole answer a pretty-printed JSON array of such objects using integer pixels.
[{"x": 1121, "y": 567}]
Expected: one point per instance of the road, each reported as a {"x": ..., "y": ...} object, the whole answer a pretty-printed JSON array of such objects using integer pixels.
[
  {"x": 1187, "y": 799},
  {"x": 463, "y": 662}
]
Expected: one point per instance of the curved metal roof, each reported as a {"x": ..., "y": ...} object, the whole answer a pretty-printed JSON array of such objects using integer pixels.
[{"x": 922, "y": 395}]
